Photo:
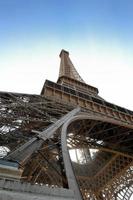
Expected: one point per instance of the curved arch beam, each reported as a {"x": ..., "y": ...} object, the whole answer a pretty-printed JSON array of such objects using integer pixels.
[{"x": 72, "y": 182}]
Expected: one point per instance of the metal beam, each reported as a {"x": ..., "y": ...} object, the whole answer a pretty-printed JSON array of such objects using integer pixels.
[{"x": 23, "y": 153}]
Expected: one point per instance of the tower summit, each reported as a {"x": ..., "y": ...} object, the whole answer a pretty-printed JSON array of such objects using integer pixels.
[
  {"x": 67, "y": 68},
  {"x": 68, "y": 76}
]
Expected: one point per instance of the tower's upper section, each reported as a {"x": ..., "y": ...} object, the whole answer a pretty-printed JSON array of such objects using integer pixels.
[
  {"x": 70, "y": 86},
  {"x": 69, "y": 77},
  {"x": 67, "y": 68}
]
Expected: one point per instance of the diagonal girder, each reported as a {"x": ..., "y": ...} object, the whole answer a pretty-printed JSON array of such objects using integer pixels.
[{"x": 23, "y": 153}]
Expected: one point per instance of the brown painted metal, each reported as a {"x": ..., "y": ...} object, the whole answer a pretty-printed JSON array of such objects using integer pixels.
[{"x": 91, "y": 151}]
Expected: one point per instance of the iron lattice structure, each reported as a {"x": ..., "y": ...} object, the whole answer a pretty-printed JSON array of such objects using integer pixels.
[{"x": 68, "y": 137}]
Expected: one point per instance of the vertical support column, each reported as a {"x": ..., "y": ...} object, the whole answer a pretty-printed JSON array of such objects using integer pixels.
[{"x": 72, "y": 182}]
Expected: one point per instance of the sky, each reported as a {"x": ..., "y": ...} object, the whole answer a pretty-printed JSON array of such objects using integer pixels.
[{"x": 97, "y": 33}]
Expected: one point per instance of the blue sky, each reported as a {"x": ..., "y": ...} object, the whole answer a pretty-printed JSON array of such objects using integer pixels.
[
  {"x": 65, "y": 20},
  {"x": 98, "y": 34}
]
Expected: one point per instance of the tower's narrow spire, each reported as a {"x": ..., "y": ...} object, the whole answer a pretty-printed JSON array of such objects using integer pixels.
[{"x": 67, "y": 68}]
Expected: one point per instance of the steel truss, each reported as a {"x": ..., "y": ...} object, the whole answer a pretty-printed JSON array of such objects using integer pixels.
[{"x": 58, "y": 145}]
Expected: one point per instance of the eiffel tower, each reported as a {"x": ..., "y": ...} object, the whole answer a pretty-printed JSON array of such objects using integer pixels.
[{"x": 66, "y": 143}]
